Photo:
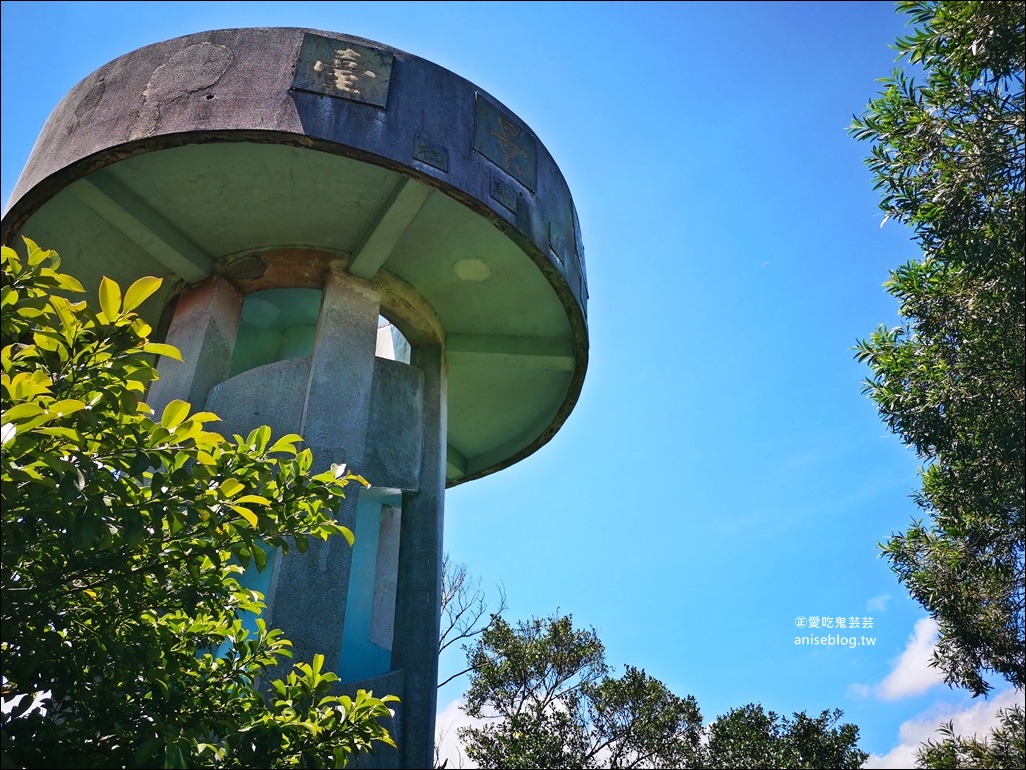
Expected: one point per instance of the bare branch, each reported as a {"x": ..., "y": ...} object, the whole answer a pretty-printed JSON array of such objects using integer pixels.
[{"x": 464, "y": 606}]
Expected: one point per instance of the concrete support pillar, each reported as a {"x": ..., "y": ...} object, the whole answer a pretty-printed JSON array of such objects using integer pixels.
[
  {"x": 338, "y": 397},
  {"x": 418, "y": 594},
  {"x": 308, "y": 598},
  {"x": 204, "y": 329}
]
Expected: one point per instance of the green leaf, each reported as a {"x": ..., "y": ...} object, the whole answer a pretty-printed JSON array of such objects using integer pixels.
[
  {"x": 36, "y": 255},
  {"x": 254, "y": 499},
  {"x": 69, "y": 283},
  {"x": 161, "y": 349},
  {"x": 245, "y": 513},
  {"x": 286, "y": 444},
  {"x": 110, "y": 299},
  {"x": 25, "y": 385},
  {"x": 139, "y": 291},
  {"x": 65, "y": 433},
  {"x": 65, "y": 407},
  {"x": 260, "y": 557},
  {"x": 141, "y": 328},
  {"x": 10, "y": 255},
  {"x": 46, "y": 341},
  {"x": 63, "y": 308},
  {"x": 33, "y": 423},
  {"x": 22, "y": 412},
  {"x": 174, "y": 413},
  {"x": 202, "y": 417},
  {"x": 258, "y": 438}
]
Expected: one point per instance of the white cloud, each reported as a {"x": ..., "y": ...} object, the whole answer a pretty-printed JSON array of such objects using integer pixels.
[
  {"x": 977, "y": 719},
  {"x": 447, "y": 743},
  {"x": 878, "y": 603},
  {"x": 912, "y": 673}
]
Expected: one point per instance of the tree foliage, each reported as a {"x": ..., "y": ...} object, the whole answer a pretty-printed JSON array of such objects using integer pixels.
[
  {"x": 546, "y": 698},
  {"x": 750, "y": 737},
  {"x": 1005, "y": 746},
  {"x": 124, "y": 537},
  {"x": 948, "y": 158}
]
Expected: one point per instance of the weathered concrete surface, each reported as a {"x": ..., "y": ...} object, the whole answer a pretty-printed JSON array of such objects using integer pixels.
[
  {"x": 338, "y": 396},
  {"x": 311, "y": 590},
  {"x": 396, "y": 433},
  {"x": 418, "y": 593},
  {"x": 194, "y": 155},
  {"x": 385, "y": 757},
  {"x": 196, "y": 87},
  {"x": 204, "y": 329},
  {"x": 269, "y": 395}
]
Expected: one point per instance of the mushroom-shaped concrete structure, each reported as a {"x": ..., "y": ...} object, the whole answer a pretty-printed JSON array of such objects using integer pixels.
[{"x": 298, "y": 189}]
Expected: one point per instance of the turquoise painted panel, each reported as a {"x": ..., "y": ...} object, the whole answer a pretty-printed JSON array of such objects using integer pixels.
[{"x": 360, "y": 657}]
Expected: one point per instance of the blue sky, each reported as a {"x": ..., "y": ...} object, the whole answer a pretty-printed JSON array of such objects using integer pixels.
[{"x": 722, "y": 473}]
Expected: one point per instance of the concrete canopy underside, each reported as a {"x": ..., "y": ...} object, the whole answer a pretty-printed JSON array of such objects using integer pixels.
[{"x": 235, "y": 165}]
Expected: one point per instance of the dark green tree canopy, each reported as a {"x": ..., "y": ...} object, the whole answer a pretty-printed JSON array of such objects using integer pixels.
[
  {"x": 751, "y": 737},
  {"x": 948, "y": 158},
  {"x": 547, "y": 699},
  {"x": 124, "y": 536}
]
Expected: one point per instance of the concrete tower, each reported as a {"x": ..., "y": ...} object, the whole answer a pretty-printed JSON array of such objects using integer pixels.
[{"x": 359, "y": 246}]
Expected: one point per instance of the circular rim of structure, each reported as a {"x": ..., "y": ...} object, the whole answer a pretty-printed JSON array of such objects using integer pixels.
[{"x": 533, "y": 208}]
